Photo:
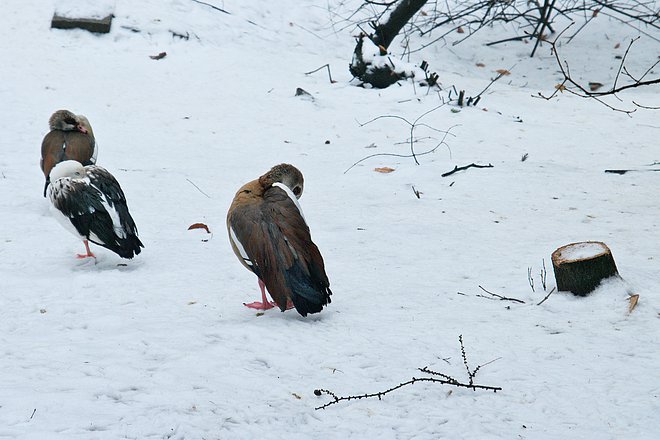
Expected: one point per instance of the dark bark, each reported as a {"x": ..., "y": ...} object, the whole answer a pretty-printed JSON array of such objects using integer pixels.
[
  {"x": 582, "y": 275},
  {"x": 404, "y": 11}
]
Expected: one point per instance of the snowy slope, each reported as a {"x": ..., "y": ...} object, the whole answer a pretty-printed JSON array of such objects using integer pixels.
[{"x": 161, "y": 346}]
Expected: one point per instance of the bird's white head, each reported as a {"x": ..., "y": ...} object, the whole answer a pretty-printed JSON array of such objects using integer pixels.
[{"x": 68, "y": 168}]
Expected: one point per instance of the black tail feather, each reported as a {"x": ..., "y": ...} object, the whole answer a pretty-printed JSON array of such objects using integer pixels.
[{"x": 307, "y": 296}]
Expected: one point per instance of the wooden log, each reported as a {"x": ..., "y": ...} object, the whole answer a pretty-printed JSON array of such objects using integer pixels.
[
  {"x": 580, "y": 267},
  {"x": 99, "y": 26}
]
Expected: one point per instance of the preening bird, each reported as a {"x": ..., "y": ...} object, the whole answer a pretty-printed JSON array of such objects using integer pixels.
[
  {"x": 270, "y": 237},
  {"x": 70, "y": 138},
  {"x": 88, "y": 201}
]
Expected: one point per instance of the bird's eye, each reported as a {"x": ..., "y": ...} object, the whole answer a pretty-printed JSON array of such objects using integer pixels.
[
  {"x": 70, "y": 121},
  {"x": 297, "y": 191}
]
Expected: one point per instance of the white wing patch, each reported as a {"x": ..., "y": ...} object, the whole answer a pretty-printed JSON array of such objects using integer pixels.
[
  {"x": 95, "y": 153},
  {"x": 239, "y": 246},
  {"x": 291, "y": 196},
  {"x": 112, "y": 212}
]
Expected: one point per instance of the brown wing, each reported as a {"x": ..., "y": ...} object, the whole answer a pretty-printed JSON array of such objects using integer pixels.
[
  {"x": 59, "y": 145},
  {"x": 280, "y": 251}
]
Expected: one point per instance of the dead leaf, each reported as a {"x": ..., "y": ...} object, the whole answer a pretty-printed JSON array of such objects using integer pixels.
[
  {"x": 617, "y": 45},
  {"x": 160, "y": 56},
  {"x": 42, "y": 311},
  {"x": 633, "y": 302},
  {"x": 460, "y": 30},
  {"x": 595, "y": 13},
  {"x": 481, "y": 65},
  {"x": 190, "y": 303},
  {"x": 384, "y": 170},
  {"x": 199, "y": 226},
  {"x": 593, "y": 86},
  {"x": 297, "y": 396},
  {"x": 503, "y": 72},
  {"x": 560, "y": 87}
]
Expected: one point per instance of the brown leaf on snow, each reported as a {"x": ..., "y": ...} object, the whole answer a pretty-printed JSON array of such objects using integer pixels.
[
  {"x": 595, "y": 13},
  {"x": 160, "y": 56},
  {"x": 633, "y": 302},
  {"x": 481, "y": 65},
  {"x": 560, "y": 87},
  {"x": 617, "y": 45},
  {"x": 199, "y": 226},
  {"x": 503, "y": 72},
  {"x": 384, "y": 170},
  {"x": 593, "y": 86},
  {"x": 460, "y": 30}
]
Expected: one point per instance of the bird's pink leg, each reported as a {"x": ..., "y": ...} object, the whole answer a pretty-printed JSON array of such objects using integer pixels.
[
  {"x": 89, "y": 252},
  {"x": 264, "y": 304}
]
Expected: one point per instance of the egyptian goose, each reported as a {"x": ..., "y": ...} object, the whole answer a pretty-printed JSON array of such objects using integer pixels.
[
  {"x": 270, "y": 237},
  {"x": 88, "y": 201},
  {"x": 70, "y": 138}
]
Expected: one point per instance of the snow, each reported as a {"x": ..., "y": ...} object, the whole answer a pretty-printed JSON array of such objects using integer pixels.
[
  {"x": 161, "y": 347},
  {"x": 581, "y": 251},
  {"x": 84, "y": 9}
]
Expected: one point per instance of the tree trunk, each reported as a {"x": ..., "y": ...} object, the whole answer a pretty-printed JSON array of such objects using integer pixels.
[
  {"x": 404, "y": 11},
  {"x": 580, "y": 267}
]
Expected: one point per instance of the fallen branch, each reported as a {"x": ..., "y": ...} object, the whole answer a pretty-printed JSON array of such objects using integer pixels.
[
  {"x": 500, "y": 297},
  {"x": 198, "y": 188},
  {"x": 627, "y": 171},
  {"x": 547, "y": 296},
  {"x": 332, "y": 81},
  {"x": 413, "y": 125},
  {"x": 212, "y": 6},
  {"x": 443, "y": 379},
  {"x": 463, "y": 168}
]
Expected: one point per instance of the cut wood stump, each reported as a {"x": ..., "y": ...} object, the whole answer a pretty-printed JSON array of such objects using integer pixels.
[
  {"x": 93, "y": 16},
  {"x": 580, "y": 267}
]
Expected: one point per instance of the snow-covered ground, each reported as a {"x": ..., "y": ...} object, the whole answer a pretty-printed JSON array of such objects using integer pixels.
[{"x": 161, "y": 346}]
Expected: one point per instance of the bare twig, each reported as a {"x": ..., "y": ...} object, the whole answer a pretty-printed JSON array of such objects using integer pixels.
[
  {"x": 544, "y": 276},
  {"x": 569, "y": 85},
  {"x": 472, "y": 165},
  {"x": 413, "y": 125},
  {"x": 332, "y": 81},
  {"x": 500, "y": 297},
  {"x": 212, "y": 6},
  {"x": 443, "y": 379},
  {"x": 198, "y": 188},
  {"x": 530, "y": 280},
  {"x": 547, "y": 296}
]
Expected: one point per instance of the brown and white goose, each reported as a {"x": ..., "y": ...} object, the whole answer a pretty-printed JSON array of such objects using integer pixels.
[
  {"x": 270, "y": 237},
  {"x": 70, "y": 138},
  {"x": 89, "y": 203}
]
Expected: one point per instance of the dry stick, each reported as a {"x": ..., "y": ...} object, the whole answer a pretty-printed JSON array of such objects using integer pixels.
[
  {"x": 500, "y": 297},
  {"x": 547, "y": 296},
  {"x": 332, "y": 81},
  {"x": 442, "y": 141},
  {"x": 627, "y": 171},
  {"x": 198, "y": 189},
  {"x": 445, "y": 380},
  {"x": 211, "y": 6},
  {"x": 545, "y": 16},
  {"x": 472, "y": 165},
  {"x": 584, "y": 93}
]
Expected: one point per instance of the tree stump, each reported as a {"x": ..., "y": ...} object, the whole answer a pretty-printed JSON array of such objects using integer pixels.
[
  {"x": 93, "y": 16},
  {"x": 580, "y": 267}
]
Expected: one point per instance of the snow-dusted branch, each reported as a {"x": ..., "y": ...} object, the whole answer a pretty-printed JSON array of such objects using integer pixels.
[{"x": 443, "y": 379}]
